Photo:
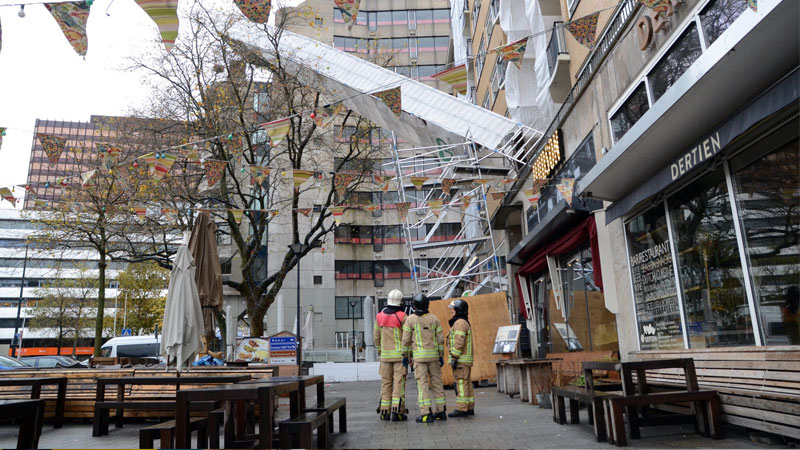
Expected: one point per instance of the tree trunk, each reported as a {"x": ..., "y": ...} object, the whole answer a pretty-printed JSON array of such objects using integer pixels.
[
  {"x": 101, "y": 303},
  {"x": 256, "y": 320},
  {"x": 60, "y": 337}
]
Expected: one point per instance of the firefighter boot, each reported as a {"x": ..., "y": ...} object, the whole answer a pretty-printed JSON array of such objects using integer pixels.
[
  {"x": 385, "y": 416},
  {"x": 442, "y": 415},
  {"x": 398, "y": 417},
  {"x": 458, "y": 413}
]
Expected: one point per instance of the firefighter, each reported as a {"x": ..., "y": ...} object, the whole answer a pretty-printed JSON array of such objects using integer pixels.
[
  {"x": 459, "y": 339},
  {"x": 424, "y": 343},
  {"x": 388, "y": 336}
]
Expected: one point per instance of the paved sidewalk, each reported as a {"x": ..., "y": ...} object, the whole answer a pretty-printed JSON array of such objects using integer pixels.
[{"x": 500, "y": 422}]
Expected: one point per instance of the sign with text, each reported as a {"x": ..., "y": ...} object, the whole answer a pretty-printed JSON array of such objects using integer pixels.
[
  {"x": 507, "y": 338},
  {"x": 283, "y": 350}
]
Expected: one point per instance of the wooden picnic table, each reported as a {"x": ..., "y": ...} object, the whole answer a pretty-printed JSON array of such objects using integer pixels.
[
  {"x": 235, "y": 396},
  {"x": 522, "y": 374},
  {"x": 36, "y": 391},
  {"x": 30, "y": 413},
  {"x": 303, "y": 381},
  {"x": 101, "y": 406}
]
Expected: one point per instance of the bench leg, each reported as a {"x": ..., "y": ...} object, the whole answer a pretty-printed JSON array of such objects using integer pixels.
[
  {"x": 285, "y": 436},
  {"x": 213, "y": 430},
  {"x": 305, "y": 435},
  {"x": 590, "y": 413},
  {"x": 166, "y": 438},
  {"x": 714, "y": 418},
  {"x": 322, "y": 434},
  {"x": 202, "y": 438},
  {"x": 343, "y": 419},
  {"x": 574, "y": 412},
  {"x": 597, "y": 418},
  {"x": 145, "y": 439},
  {"x": 559, "y": 411},
  {"x": 96, "y": 423},
  {"x": 617, "y": 424}
]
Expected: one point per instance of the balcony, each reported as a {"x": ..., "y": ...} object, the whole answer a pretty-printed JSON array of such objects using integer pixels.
[
  {"x": 550, "y": 7},
  {"x": 558, "y": 64}
]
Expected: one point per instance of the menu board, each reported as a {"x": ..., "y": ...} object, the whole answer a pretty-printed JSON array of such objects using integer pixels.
[
  {"x": 656, "y": 297},
  {"x": 252, "y": 350},
  {"x": 507, "y": 338}
]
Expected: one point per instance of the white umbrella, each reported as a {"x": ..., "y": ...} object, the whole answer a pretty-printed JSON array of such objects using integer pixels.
[
  {"x": 183, "y": 317},
  {"x": 369, "y": 321},
  {"x": 308, "y": 330}
]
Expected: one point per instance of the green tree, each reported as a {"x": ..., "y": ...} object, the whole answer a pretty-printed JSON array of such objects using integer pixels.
[{"x": 141, "y": 297}]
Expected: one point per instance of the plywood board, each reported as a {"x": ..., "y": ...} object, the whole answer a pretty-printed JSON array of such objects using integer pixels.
[{"x": 486, "y": 313}]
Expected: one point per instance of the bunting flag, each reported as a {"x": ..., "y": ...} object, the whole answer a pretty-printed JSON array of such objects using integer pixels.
[
  {"x": 341, "y": 181},
  {"x": 584, "y": 29},
  {"x": 75, "y": 207},
  {"x": 53, "y": 146},
  {"x": 447, "y": 184},
  {"x": 436, "y": 207},
  {"x": 533, "y": 196},
  {"x": 466, "y": 200},
  {"x": 273, "y": 212},
  {"x": 237, "y": 215},
  {"x": 514, "y": 51},
  {"x": 383, "y": 182},
  {"x": 324, "y": 116},
  {"x": 277, "y": 130},
  {"x": 255, "y": 10},
  {"x": 565, "y": 189},
  {"x": 539, "y": 183},
  {"x": 498, "y": 195},
  {"x": 338, "y": 213},
  {"x": 392, "y": 99},
  {"x": 508, "y": 181},
  {"x": 193, "y": 154},
  {"x": 349, "y": 9},
  {"x": 7, "y": 195},
  {"x": 71, "y": 18},
  {"x": 165, "y": 14},
  {"x": 213, "y": 170},
  {"x": 455, "y": 76},
  {"x": 259, "y": 173},
  {"x": 305, "y": 211},
  {"x": 2, "y": 130},
  {"x": 753, "y": 4},
  {"x": 40, "y": 202},
  {"x": 86, "y": 177},
  {"x": 402, "y": 210},
  {"x": 657, "y": 5},
  {"x": 171, "y": 214},
  {"x": 300, "y": 177},
  {"x": 141, "y": 212},
  {"x": 159, "y": 163},
  {"x": 371, "y": 207},
  {"x": 418, "y": 182},
  {"x": 479, "y": 182},
  {"x": 62, "y": 181},
  {"x": 109, "y": 154},
  {"x": 235, "y": 144}
]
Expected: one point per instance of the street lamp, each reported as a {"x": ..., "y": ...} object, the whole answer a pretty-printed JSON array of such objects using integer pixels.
[
  {"x": 298, "y": 250},
  {"x": 353, "y": 304}
]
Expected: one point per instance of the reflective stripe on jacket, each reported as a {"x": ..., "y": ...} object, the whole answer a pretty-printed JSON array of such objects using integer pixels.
[
  {"x": 388, "y": 336},
  {"x": 423, "y": 338},
  {"x": 460, "y": 340}
]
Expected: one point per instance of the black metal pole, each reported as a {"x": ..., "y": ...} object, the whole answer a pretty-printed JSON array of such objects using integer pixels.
[
  {"x": 14, "y": 343},
  {"x": 299, "y": 343}
]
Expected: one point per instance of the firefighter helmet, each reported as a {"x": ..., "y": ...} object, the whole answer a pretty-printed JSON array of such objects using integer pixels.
[
  {"x": 460, "y": 306},
  {"x": 421, "y": 303},
  {"x": 395, "y": 298}
]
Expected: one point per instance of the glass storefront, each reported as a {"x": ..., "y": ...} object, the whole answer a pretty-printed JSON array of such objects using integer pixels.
[{"x": 715, "y": 266}]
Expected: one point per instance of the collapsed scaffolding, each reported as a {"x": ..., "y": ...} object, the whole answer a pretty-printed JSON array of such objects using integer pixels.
[{"x": 472, "y": 150}]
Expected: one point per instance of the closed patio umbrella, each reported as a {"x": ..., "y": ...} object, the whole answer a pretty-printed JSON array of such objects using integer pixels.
[
  {"x": 183, "y": 319},
  {"x": 208, "y": 277},
  {"x": 308, "y": 330}
]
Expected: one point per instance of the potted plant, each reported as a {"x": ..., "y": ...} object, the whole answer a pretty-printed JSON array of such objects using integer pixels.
[{"x": 542, "y": 381}]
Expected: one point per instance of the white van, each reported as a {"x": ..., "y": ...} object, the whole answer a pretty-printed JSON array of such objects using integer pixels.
[{"x": 133, "y": 346}]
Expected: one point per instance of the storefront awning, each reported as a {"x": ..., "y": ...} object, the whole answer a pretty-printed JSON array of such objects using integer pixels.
[
  {"x": 555, "y": 223},
  {"x": 755, "y": 50}
]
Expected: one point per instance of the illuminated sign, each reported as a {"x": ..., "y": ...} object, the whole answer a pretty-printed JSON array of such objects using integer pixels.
[{"x": 548, "y": 158}]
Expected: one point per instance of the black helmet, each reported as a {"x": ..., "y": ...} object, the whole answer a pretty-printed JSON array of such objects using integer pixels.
[
  {"x": 459, "y": 306},
  {"x": 421, "y": 303}
]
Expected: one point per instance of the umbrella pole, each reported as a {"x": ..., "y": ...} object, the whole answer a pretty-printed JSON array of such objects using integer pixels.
[{"x": 166, "y": 369}]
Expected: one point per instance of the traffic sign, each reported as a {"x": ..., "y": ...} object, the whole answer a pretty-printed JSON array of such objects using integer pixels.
[{"x": 126, "y": 332}]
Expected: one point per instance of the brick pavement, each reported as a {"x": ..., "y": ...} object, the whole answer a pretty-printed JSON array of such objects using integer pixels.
[{"x": 500, "y": 422}]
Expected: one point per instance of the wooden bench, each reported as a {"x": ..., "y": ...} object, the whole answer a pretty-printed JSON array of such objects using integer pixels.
[
  {"x": 31, "y": 415},
  {"x": 165, "y": 432},
  {"x": 707, "y": 411},
  {"x": 101, "y": 412},
  {"x": 330, "y": 406},
  {"x": 297, "y": 432},
  {"x": 758, "y": 387},
  {"x": 576, "y": 395}
]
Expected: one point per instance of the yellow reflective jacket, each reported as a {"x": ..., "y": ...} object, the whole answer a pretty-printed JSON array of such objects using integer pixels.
[
  {"x": 460, "y": 341},
  {"x": 423, "y": 338},
  {"x": 388, "y": 336}
]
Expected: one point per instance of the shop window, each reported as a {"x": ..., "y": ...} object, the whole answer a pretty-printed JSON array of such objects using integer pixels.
[
  {"x": 630, "y": 112},
  {"x": 767, "y": 193},
  {"x": 652, "y": 274},
  {"x": 680, "y": 56},
  {"x": 344, "y": 310},
  {"x": 717, "y": 312}
]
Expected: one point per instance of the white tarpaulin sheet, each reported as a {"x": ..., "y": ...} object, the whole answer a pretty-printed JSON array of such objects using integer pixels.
[{"x": 429, "y": 117}]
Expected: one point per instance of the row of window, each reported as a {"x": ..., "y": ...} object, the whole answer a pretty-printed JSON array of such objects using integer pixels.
[
  {"x": 393, "y": 234},
  {"x": 59, "y": 264},
  {"x": 46, "y": 282},
  {"x": 395, "y": 269},
  {"x": 413, "y": 45},
  {"x": 373, "y": 19}
]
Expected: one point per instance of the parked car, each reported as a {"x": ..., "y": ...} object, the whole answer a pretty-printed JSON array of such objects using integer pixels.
[
  {"x": 9, "y": 363},
  {"x": 53, "y": 361}
]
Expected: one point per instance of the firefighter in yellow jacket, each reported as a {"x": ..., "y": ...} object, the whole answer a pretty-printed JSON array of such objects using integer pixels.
[
  {"x": 424, "y": 342},
  {"x": 459, "y": 339},
  {"x": 388, "y": 336}
]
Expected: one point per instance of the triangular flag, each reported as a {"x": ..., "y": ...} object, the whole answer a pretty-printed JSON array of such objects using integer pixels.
[
  {"x": 171, "y": 214},
  {"x": 165, "y": 14},
  {"x": 447, "y": 184},
  {"x": 657, "y": 5},
  {"x": 454, "y": 76},
  {"x": 584, "y": 29},
  {"x": 565, "y": 189},
  {"x": 259, "y": 173},
  {"x": 237, "y": 215},
  {"x": 383, "y": 182},
  {"x": 539, "y": 183},
  {"x": 72, "y": 17},
  {"x": 392, "y": 99},
  {"x": 39, "y": 202},
  {"x": 498, "y": 195},
  {"x": 300, "y": 177},
  {"x": 402, "y": 210},
  {"x": 141, "y": 212},
  {"x": 753, "y": 4},
  {"x": 86, "y": 177},
  {"x": 479, "y": 181},
  {"x": 160, "y": 164},
  {"x": 371, "y": 207},
  {"x": 466, "y": 200},
  {"x": 349, "y": 9},
  {"x": 341, "y": 181},
  {"x": 338, "y": 213},
  {"x": 109, "y": 154},
  {"x": 418, "y": 182},
  {"x": 214, "y": 170},
  {"x": 2, "y": 130},
  {"x": 277, "y": 130},
  {"x": 436, "y": 207},
  {"x": 304, "y": 211},
  {"x": 7, "y": 195},
  {"x": 53, "y": 146},
  {"x": 62, "y": 181},
  {"x": 193, "y": 154},
  {"x": 234, "y": 144},
  {"x": 533, "y": 196},
  {"x": 75, "y": 207},
  {"x": 514, "y": 51},
  {"x": 324, "y": 116},
  {"x": 273, "y": 212},
  {"x": 255, "y": 10}
]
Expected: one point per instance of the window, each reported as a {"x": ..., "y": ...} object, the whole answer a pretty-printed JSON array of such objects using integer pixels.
[
  {"x": 338, "y": 42},
  {"x": 361, "y": 19},
  {"x": 372, "y": 21},
  {"x": 384, "y": 17},
  {"x": 441, "y": 16},
  {"x": 718, "y": 16},
  {"x": 487, "y": 100},
  {"x": 424, "y": 16},
  {"x": 317, "y": 279},
  {"x": 225, "y": 267},
  {"x": 318, "y": 21},
  {"x": 426, "y": 44},
  {"x": 399, "y": 17},
  {"x": 680, "y": 56},
  {"x": 480, "y": 59},
  {"x": 442, "y": 42},
  {"x": 476, "y": 10},
  {"x": 630, "y": 112},
  {"x": 337, "y": 15},
  {"x": 349, "y": 307},
  {"x": 400, "y": 45},
  {"x": 138, "y": 350}
]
